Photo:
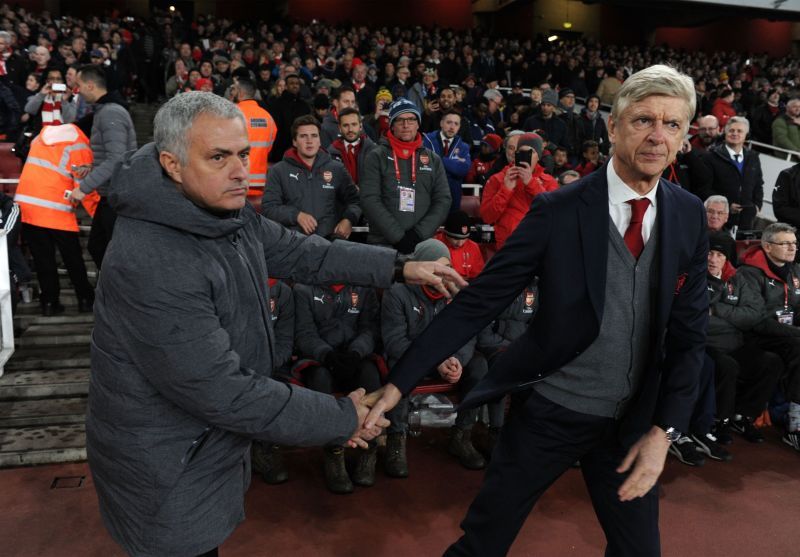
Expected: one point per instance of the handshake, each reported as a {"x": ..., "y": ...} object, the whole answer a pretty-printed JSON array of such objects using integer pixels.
[{"x": 370, "y": 409}]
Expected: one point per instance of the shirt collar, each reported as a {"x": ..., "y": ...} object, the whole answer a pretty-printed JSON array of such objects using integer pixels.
[
  {"x": 445, "y": 138},
  {"x": 731, "y": 152},
  {"x": 619, "y": 192},
  {"x": 354, "y": 143}
]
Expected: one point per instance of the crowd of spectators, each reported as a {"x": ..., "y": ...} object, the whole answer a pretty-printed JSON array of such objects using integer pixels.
[{"x": 355, "y": 112}]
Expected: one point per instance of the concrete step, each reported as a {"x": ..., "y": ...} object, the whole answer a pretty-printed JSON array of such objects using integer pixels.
[
  {"x": 63, "y": 281},
  {"x": 49, "y": 444},
  {"x": 19, "y": 385},
  {"x": 42, "y": 411},
  {"x": 25, "y": 321},
  {"x": 32, "y": 358},
  {"x": 33, "y": 308},
  {"x": 56, "y": 335}
]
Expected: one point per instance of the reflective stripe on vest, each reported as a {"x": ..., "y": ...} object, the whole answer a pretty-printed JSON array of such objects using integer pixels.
[
  {"x": 263, "y": 144},
  {"x": 22, "y": 198},
  {"x": 48, "y": 165},
  {"x": 69, "y": 149}
]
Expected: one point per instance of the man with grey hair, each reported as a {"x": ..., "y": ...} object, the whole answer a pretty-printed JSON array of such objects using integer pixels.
[
  {"x": 607, "y": 371},
  {"x": 717, "y": 211},
  {"x": 786, "y": 127},
  {"x": 13, "y": 66},
  {"x": 183, "y": 347},
  {"x": 770, "y": 269},
  {"x": 736, "y": 174}
]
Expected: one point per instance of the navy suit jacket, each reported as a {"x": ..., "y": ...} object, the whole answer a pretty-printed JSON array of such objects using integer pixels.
[{"x": 564, "y": 241}]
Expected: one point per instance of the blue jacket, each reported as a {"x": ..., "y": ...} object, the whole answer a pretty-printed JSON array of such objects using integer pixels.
[
  {"x": 564, "y": 241},
  {"x": 456, "y": 163}
]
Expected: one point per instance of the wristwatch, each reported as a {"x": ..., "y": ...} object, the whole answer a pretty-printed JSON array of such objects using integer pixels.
[{"x": 671, "y": 433}]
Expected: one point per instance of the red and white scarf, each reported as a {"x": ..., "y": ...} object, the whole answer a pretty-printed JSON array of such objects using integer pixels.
[{"x": 51, "y": 111}]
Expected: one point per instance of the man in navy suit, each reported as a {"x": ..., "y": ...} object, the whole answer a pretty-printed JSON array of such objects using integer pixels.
[
  {"x": 607, "y": 371},
  {"x": 453, "y": 151}
]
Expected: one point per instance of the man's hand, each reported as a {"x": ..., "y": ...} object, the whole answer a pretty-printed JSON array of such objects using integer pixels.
[
  {"x": 510, "y": 179},
  {"x": 648, "y": 454},
  {"x": 381, "y": 401},
  {"x": 450, "y": 369},
  {"x": 441, "y": 277},
  {"x": 77, "y": 194},
  {"x": 307, "y": 223},
  {"x": 343, "y": 229},
  {"x": 362, "y": 434},
  {"x": 524, "y": 173},
  {"x": 80, "y": 171},
  {"x": 736, "y": 208}
]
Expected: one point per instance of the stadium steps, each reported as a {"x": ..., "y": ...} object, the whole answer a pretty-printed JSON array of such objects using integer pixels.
[{"x": 142, "y": 116}]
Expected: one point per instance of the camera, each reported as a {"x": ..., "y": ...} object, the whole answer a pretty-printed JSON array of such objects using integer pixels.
[{"x": 59, "y": 88}]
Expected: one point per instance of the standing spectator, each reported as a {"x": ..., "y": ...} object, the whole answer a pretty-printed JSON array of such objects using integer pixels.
[
  {"x": 13, "y": 67},
  {"x": 286, "y": 108},
  {"x": 566, "y": 105},
  {"x": 786, "y": 196},
  {"x": 112, "y": 136},
  {"x": 786, "y": 127},
  {"x": 308, "y": 191},
  {"x": 554, "y": 128},
  {"x": 772, "y": 263},
  {"x": 723, "y": 108},
  {"x": 404, "y": 190},
  {"x": 591, "y": 125},
  {"x": 51, "y": 107},
  {"x": 40, "y": 60},
  {"x": 364, "y": 92},
  {"x": 352, "y": 148},
  {"x": 465, "y": 255},
  {"x": 344, "y": 97},
  {"x": 763, "y": 117},
  {"x": 337, "y": 328},
  {"x": 610, "y": 86},
  {"x": 10, "y": 114},
  {"x": 509, "y": 193},
  {"x": 261, "y": 131},
  {"x": 426, "y": 90},
  {"x": 736, "y": 174},
  {"x": 453, "y": 151},
  {"x": 49, "y": 219},
  {"x": 707, "y": 134}
]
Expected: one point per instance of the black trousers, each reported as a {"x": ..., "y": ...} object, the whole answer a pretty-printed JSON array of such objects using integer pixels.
[
  {"x": 788, "y": 349},
  {"x": 539, "y": 442},
  {"x": 705, "y": 409},
  {"x": 43, "y": 242},
  {"x": 102, "y": 229},
  {"x": 323, "y": 380},
  {"x": 745, "y": 379}
]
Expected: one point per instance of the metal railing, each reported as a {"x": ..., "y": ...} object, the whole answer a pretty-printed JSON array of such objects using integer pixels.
[
  {"x": 6, "y": 317},
  {"x": 768, "y": 147}
]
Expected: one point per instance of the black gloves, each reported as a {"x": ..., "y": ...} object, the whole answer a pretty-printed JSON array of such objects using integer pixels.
[{"x": 408, "y": 242}]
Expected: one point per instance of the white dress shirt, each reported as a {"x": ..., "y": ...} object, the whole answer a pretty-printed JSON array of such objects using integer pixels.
[{"x": 619, "y": 193}]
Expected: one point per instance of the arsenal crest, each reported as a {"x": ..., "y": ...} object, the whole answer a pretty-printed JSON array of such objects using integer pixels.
[
  {"x": 327, "y": 175},
  {"x": 424, "y": 159},
  {"x": 529, "y": 298}
]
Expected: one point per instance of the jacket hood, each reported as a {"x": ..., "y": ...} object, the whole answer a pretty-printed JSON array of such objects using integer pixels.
[
  {"x": 66, "y": 133},
  {"x": 755, "y": 257},
  {"x": 291, "y": 157},
  {"x": 728, "y": 271},
  {"x": 142, "y": 191}
]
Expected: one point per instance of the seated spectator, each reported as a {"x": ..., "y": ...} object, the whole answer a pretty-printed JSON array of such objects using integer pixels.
[
  {"x": 178, "y": 80},
  {"x": 406, "y": 311},
  {"x": 49, "y": 107},
  {"x": 736, "y": 174},
  {"x": 404, "y": 190},
  {"x": 353, "y": 145},
  {"x": 376, "y": 125},
  {"x": 40, "y": 60},
  {"x": 479, "y": 170},
  {"x": 308, "y": 191},
  {"x": 707, "y": 134},
  {"x": 336, "y": 332},
  {"x": 554, "y": 128},
  {"x": 745, "y": 375},
  {"x": 322, "y": 106},
  {"x": 425, "y": 91},
  {"x": 567, "y": 177},
  {"x": 480, "y": 125},
  {"x": 267, "y": 458},
  {"x": 717, "y": 212},
  {"x": 764, "y": 115},
  {"x": 770, "y": 270},
  {"x": 786, "y": 196},
  {"x": 431, "y": 119},
  {"x": 344, "y": 97},
  {"x": 786, "y": 127},
  {"x": 560, "y": 161},
  {"x": 494, "y": 102},
  {"x": 590, "y": 158},
  {"x": 509, "y": 193},
  {"x": 453, "y": 151},
  {"x": 465, "y": 255},
  {"x": 723, "y": 108}
]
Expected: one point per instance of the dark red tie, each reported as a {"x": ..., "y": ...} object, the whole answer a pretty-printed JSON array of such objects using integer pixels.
[
  {"x": 633, "y": 235},
  {"x": 446, "y": 146},
  {"x": 350, "y": 149}
]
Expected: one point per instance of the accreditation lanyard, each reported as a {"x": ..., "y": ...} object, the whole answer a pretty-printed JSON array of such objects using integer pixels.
[{"x": 413, "y": 168}]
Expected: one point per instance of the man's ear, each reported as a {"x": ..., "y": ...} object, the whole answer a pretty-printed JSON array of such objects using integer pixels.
[
  {"x": 611, "y": 128},
  {"x": 171, "y": 165}
]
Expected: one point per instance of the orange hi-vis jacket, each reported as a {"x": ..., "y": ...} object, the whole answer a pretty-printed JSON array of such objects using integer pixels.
[
  {"x": 261, "y": 131},
  {"x": 47, "y": 180}
]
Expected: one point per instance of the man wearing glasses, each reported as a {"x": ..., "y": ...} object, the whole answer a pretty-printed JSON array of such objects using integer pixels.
[
  {"x": 771, "y": 270},
  {"x": 404, "y": 191}
]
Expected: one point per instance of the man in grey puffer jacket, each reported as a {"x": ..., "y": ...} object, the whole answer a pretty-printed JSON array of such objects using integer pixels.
[
  {"x": 112, "y": 136},
  {"x": 183, "y": 345}
]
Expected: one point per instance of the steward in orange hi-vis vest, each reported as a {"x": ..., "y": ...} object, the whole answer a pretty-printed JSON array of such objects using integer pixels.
[
  {"x": 261, "y": 130},
  {"x": 47, "y": 179}
]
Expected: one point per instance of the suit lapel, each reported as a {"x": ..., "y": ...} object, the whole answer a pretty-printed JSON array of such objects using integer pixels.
[
  {"x": 593, "y": 223},
  {"x": 667, "y": 222}
]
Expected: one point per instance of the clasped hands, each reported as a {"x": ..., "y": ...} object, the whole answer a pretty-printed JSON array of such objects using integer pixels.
[{"x": 371, "y": 408}]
